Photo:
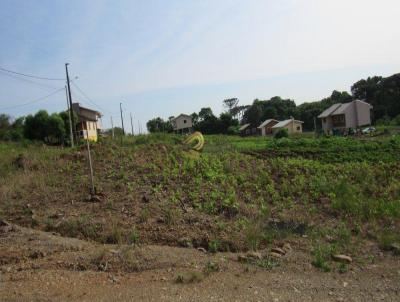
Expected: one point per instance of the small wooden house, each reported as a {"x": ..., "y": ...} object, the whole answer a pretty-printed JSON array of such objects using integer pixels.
[
  {"x": 88, "y": 125},
  {"x": 266, "y": 126},
  {"x": 182, "y": 123},
  {"x": 292, "y": 126}
]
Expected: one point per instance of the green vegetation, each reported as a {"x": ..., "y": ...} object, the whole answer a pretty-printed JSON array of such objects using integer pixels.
[{"x": 239, "y": 194}]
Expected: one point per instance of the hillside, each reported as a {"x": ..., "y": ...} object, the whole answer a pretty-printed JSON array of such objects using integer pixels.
[{"x": 316, "y": 198}]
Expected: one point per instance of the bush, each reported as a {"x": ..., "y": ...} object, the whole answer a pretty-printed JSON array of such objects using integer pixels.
[{"x": 281, "y": 133}]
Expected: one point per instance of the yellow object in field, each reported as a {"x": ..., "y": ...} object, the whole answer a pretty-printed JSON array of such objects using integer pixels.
[{"x": 195, "y": 137}]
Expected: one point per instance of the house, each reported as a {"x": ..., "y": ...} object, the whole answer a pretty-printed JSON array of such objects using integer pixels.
[
  {"x": 292, "y": 126},
  {"x": 345, "y": 116},
  {"x": 88, "y": 125},
  {"x": 266, "y": 126},
  {"x": 182, "y": 123},
  {"x": 247, "y": 129}
]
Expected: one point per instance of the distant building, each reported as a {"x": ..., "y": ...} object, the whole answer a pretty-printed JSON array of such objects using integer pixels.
[
  {"x": 345, "y": 116},
  {"x": 266, "y": 126},
  {"x": 247, "y": 129},
  {"x": 88, "y": 125},
  {"x": 292, "y": 126},
  {"x": 182, "y": 123}
]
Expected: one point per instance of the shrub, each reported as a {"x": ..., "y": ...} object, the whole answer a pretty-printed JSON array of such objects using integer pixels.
[{"x": 281, "y": 133}]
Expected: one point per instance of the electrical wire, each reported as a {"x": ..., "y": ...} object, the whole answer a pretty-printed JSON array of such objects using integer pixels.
[
  {"x": 27, "y": 81},
  {"x": 88, "y": 98},
  {"x": 34, "y": 101},
  {"x": 31, "y": 76}
]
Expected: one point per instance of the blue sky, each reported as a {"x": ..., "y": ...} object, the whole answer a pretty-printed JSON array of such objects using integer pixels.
[{"x": 161, "y": 58}]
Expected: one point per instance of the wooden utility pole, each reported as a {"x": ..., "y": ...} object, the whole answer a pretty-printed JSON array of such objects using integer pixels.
[
  {"x": 71, "y": 134},
  {"x": 122, "y": 119},
  {"x": 70, "y": 103},
  {"x": 112, "y": 128},
  {"x": 92, "y": 188},
  {"x": 131, "y": 124}
]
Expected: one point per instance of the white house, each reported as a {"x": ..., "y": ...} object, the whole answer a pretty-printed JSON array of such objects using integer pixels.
[{"x": 182, "y": 123}]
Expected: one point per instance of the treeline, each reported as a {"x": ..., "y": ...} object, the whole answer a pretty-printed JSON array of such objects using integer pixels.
[
  {"x": 382, "y": 93},
  {"x": 48, "y": 128},
  {"x": 205, "y": 121}
]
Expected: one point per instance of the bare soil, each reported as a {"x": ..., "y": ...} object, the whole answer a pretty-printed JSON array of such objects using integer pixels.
[{"x": 40, "y": 266}]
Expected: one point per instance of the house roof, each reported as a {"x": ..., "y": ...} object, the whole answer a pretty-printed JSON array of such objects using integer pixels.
[
  {"x": 266, "y": 122},
  {"x": 244, "y": 127},
  {"x": 341, "y": 109},
  {"x": 338, "y": 108},
  {"x": 182, "y": 114},
  {"x": 284, "y": 123},
  {"x": 329, "y": 111},
  {"x": 74, "y": 105}
]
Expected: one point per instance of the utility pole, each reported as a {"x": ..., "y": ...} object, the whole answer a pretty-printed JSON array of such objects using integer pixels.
[
  {"x": 112, "y": 128},
  {"x": 71, "y": 134},
  {"x": 122, "y": 119},
  {"x": 131, "y": 124},
  {"x": 73, "y": 126}
]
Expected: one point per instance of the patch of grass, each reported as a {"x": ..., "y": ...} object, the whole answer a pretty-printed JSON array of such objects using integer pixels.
[
  {"x": 214, "y": 246},
  {"x": 190, "y": 277},
  {"x": 389, "y": 241},
  {"x": 322, "y": 256},
  {"x": 144, "y": 215},
  {"x": 99, "y": 259},
  {"x": 134, "y": 237},
  {"x": 211, "y": 267}
]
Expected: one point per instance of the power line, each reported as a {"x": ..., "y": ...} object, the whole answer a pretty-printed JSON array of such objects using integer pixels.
[
  {"x": 88, "y": 98},
  {"x": 27, "y": 81},
  {"x": 34, "y": 101},
  {"x": 31, "y": 76}
]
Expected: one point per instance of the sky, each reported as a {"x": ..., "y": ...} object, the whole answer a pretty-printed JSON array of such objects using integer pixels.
[{"x": 163, "y": 58}]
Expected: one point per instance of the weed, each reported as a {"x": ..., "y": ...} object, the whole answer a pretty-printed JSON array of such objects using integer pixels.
[
  {"x": 133, "y": 237},
  {"x": 191, "y": 277},
  {"x": 144, "y": 215},
  {"x": 211, "y": 267},
  {"x": 322, "y": 255},
  {"x": 254, "y": 235},
  {"x": 214, "y": 246},
  {"x": 99, "y": 259}
]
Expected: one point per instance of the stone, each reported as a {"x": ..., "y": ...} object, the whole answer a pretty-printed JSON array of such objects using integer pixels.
[
  {"x": 287, "y": 247},
  {"x": 278, "y": 251},
  {"x": 275, "y": 255},
  {"x": 342, "y": 258},
  {"x": 254, "y": 255},
  {"x": 202, "y": 249}
]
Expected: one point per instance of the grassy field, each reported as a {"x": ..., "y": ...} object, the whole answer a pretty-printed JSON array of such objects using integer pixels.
[{"x": 335, "y": 194}]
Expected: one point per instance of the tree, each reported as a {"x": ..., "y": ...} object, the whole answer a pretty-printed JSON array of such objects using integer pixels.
[
  {"x": 205, "y": 114},
  {"x": 230, "y": 104},
  {"x": 41, "y": 126},
  {"x": 158, "y": 125}
]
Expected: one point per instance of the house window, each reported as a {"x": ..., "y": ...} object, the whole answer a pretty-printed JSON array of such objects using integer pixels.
[
  {"x": 324, "y": 120},
  {"x": 298, "y": 128},
  {"x": 184, "y": 121}
]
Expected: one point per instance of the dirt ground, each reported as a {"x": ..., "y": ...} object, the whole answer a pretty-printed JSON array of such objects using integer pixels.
[{"x": 40, "y": 266}]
